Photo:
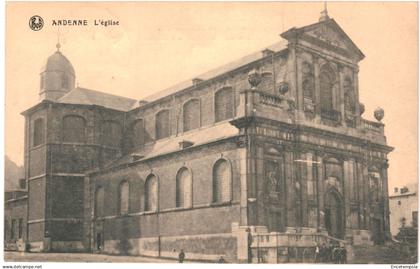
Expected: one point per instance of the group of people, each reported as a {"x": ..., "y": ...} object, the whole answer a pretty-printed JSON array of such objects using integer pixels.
[
  {"x": 181, "y": 257},
  {"x": 332, "y": 253}
]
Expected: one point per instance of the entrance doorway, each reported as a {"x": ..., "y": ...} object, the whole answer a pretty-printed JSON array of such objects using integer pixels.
[
  {"x": 377, "y": 235},
  {"x": 334, "y": 214},
  {"x": 99, "y": 242}
]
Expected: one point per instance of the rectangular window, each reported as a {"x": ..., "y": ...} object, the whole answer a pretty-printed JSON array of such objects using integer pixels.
[
  {"x": 415, "y": 217},
  {"x": 13, "y": 229},
  {"x": 38, "y": 136},
  {"x": 20, "y": 228}
]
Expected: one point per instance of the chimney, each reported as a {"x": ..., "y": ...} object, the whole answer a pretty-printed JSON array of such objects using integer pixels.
[
  {"x": 267, "y": 52},
  {"x": 196, "y": 81},
  {"x": 185, "y": 144},
  {"x": 136, "y": 157}
]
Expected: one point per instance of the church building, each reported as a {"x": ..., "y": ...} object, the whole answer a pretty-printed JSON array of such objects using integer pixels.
[{"x": 272, "y": 146}]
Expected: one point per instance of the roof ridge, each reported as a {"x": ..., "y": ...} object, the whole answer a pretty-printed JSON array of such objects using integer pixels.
[
  {"x": 105, "y": 93},
  {"x": 213, "y": 72}
]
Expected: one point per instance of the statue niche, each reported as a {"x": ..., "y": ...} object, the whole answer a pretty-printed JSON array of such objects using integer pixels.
[
  {"x": 272, "y": 179},
  {"x": 308, "y": 87},
  {"x": 349, "y": 103},
  {"x": 349, "y": 100},
  {"x": 308, "y": 80}
]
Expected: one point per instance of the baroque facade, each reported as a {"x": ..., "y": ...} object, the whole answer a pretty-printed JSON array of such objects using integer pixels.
[{"x": 274, "y": 143}]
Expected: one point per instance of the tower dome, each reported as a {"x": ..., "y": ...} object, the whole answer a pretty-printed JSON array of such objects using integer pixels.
[{"x": 57, "y": 76}]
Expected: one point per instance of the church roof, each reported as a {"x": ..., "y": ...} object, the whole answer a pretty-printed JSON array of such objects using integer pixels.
[
  {"x": 170, "y": 145},
  {"x": 58, "y": 62},
  {"x": 90, "y": 97},
  {"x": 278, "y": 46}
]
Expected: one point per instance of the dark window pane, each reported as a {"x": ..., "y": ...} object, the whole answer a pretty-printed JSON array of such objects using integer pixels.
[
  {"x": 224, "y": 106},
  {"x": 191, "y": 118},
  {"x": 162, "y": 124},
  {"x": 38, "y": 132}
]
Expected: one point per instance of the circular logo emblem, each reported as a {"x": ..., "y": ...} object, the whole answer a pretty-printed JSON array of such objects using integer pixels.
[{"x": 36, "y": 23}]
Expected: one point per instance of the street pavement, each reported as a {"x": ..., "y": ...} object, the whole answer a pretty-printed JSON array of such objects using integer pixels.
[{"x": 12, "y": 256}]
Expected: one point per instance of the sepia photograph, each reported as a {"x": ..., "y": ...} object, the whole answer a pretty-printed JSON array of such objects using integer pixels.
[{"x": 211, "y": 132}]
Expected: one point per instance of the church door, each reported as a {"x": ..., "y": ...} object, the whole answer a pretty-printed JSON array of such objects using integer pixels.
[
  {"x": 377, "y": 235},
  {"x": 333, "y": 214}
]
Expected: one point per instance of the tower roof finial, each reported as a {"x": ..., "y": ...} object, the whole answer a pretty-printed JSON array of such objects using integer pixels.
[
  {"x": 324, "y": 13},
  {"x": 58, "y": 45}
]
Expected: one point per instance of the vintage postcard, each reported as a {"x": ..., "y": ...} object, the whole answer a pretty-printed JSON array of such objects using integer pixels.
[{"x": 211, "y": 132}]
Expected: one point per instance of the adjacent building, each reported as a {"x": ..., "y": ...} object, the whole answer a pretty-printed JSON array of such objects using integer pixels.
[
  {"x": 274, "y": 142},
  {"x": 403, "y": 206}
]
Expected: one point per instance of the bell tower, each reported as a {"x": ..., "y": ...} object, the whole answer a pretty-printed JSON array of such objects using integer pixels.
[{"x": 57, "y": 77}]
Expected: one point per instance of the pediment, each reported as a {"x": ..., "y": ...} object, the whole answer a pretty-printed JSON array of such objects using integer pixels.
[
  {"x": 329, "y": 35},
  {"x": 326, "y": 34}
]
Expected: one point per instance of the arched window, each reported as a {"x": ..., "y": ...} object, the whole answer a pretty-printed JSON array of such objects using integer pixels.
[
  {"x": 183, "y": 188},
  {"x": 38, "y": 137},
  {"x": 162, "y": 124},
  {"x": 111, "y": 132},
  {"x": 191, "y": 117},
  {"x": 224, "y": 105},
  {"x": 333, "y": 173},
  {"x": 151, "y": 194},
  {"x": 74, "y": 129},
  {"x": 99, "y": 202},
  {"x": 221, "y": 181},
  {"x": 124, "y": 195},
  {"x": 327, "y": 81},
  {"x": 137, "y": 132}
]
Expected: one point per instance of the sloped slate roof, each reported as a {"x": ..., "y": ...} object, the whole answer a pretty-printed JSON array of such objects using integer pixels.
[
  {"x": 278, "y": 46},
  {"x": 90, "y": 97},
  {"x": 171, "y": 144}
]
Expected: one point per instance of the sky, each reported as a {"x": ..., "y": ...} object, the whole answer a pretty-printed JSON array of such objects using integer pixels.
[{"x": 157, "y": 45}]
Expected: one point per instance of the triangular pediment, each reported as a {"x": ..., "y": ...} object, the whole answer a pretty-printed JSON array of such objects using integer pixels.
[{"x": 326, "y": 34}]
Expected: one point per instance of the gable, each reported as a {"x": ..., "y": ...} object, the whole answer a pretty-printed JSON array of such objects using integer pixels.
[{"x": 328, "y": 35}]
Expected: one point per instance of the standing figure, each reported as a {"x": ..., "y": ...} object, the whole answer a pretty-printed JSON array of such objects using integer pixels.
[
  {"x": 181, "y": 256},
  {"x": 249, "y": 238}
]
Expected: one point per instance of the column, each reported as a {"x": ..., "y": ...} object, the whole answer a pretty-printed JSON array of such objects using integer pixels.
[
  {"x": 292, "y": 67},
  {"x": 340, "y": 94},
  {"x": 317, "y": 86},
  {"x": 347, "y": 167},
  {"x": 289, "y": 172},
  {"x": 304, "y": 210},
  {"x": 246, "y": 213},
  {"x": 259, "y": 179},
  {"x": 356, "y": 94},
  {"x": 320, "y": 190},
  {"x": 366, "y": 197},
  {"x": 384, "y": 176}
]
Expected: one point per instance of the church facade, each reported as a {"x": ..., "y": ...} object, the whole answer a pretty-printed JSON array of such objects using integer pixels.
[{"x": 274, "y": 143}]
